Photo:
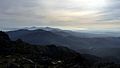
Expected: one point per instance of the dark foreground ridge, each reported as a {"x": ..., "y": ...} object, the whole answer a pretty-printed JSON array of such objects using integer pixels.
[{"x": 18, "y": 54}]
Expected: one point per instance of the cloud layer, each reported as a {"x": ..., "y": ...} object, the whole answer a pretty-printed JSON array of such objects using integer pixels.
[{"x": 71, "y": 13}]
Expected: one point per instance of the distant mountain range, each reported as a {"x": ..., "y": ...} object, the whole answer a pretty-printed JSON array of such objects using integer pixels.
[
  {"x": 86, "y": 43},
  {"x": 19, "y": 54},
  {"x": 68, "y": 38}
]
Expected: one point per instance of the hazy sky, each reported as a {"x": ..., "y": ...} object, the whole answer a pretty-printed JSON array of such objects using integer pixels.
[{"x": 82, "y": 14}]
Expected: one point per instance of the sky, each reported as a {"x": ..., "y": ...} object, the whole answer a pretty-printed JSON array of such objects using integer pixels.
[{"x": 68, "y": 14}]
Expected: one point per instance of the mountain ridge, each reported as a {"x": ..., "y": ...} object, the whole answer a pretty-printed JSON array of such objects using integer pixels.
[
  {"x": 19, "y": 53},
  {"x": 65, "y": 38}
]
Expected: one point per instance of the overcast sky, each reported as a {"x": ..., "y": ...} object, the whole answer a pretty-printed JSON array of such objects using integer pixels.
[{"x": 81, "y": 14}]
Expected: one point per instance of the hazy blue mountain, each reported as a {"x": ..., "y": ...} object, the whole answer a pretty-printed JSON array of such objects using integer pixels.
[
  {"x": 99, "y": 46},
  {"x": 106, "y": 53},
  {"x": 64, "y": 38},
  {"x": 43, "y": 37},
  {"x": 38, "y": 36}
]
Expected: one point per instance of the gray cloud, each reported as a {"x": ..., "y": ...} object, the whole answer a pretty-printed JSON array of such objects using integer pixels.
[
  {"x": 56, "y": 12},
  {"x": 111, "y": 12}
]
